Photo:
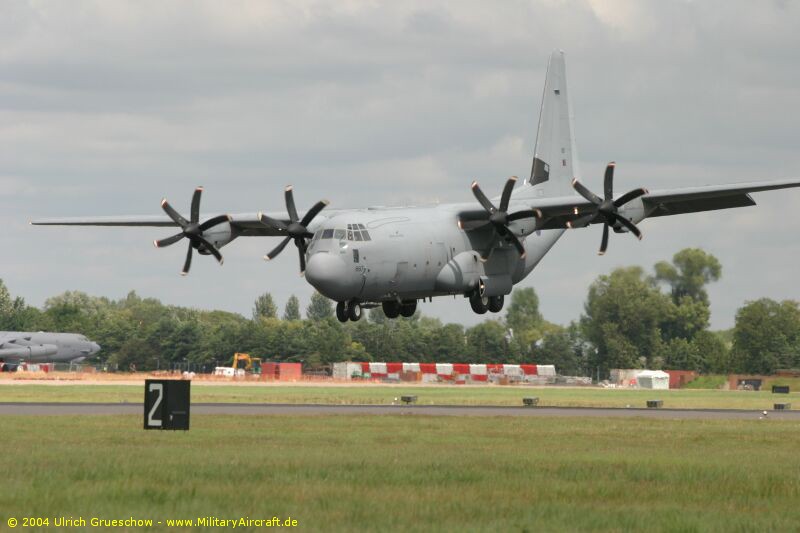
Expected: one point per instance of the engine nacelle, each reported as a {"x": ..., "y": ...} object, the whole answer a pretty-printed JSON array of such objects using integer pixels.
[
  {"x": 219, "y": 235},
  {"x": 495, "y": 285},
  {"x": 633, "y": 211}
]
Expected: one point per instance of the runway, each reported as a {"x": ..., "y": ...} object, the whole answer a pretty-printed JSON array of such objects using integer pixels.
[{"x": 60, "y": 409}]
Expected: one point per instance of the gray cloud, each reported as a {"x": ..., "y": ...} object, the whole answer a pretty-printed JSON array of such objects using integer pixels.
[{"x": 105, "y": 107}]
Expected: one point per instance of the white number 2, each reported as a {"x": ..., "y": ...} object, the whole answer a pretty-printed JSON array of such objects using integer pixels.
[{"x": 155, "y": 422}]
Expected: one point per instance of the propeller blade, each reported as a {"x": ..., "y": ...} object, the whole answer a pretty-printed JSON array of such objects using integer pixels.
[
  {"x": 290, "y": 207},
  {"x": 272, "y": 222},
  {"x": 168, "y": 241},
  {"x": 631, "y": 226},
  {"x": 188, "y": 262},
  {"x": 194, "y": 213},
  {"x": 278, "y": 249},
  {"x": 212, "y": 249},
  {"x": 581, "y": 222},
  {"x": 314, "y": 211},
  {"x": 586, "y": 193},
  {"x": 174, "y": 215},
  {"x": 482, "y": 199},
  {"x": 608, "y": 181},
  {"x": 604, "y": 242},
  {"x": 507, "y": 190},
  {"x": 518, "y": 245},
  {"x": 215, "y": 221},
  {"x": 301, "y": 250},
  {"x": 532, "y": 213},
  {"x": 628, "y": 196}
]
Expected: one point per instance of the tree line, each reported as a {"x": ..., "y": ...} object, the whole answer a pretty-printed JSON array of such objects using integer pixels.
[{"x": 631, "y": 319}]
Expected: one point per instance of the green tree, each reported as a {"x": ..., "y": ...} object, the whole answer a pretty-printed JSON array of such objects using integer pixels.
[
  {"x": 264, "y": 306},
  {"x": 292, "y": 309},
  {"x": 524, "y": 318},
  {"x": 766, "y": 336},
  {"x": 564, "y": 348},
  {"x": 622, "y": 318},
  {"x": 487, "y": 343},
  {"x": 319, "y": 308},
  {"x": 688, "y": 274}
]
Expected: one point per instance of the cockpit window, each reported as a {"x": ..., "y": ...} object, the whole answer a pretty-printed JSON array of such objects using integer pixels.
[
  {"x": 317, "y": 235},
  {"x": 357, "y": 232},
  {"x": 327, "y": 234},
  {"x": 338, "y": 234}
]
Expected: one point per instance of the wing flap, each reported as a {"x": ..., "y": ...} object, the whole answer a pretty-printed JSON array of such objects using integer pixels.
[{"x": 694, "y": 205}]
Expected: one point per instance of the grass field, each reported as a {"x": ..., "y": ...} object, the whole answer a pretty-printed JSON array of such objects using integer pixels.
[
  {"x": 432, "y": 394},
  {"x": 410, "y": 473}
]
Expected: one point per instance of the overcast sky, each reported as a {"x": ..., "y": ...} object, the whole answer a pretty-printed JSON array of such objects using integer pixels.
[{"x": 105, "y": 107}]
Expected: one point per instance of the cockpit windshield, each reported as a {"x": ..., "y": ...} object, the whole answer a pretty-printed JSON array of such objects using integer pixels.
[{"x": 355, "y": 232}]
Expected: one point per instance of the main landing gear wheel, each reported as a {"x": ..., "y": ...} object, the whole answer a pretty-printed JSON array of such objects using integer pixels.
[
  {"x": 479, "y": 303},
  {"x": 341, "y": 312},
  {"x": 495, "y": 303},
  {"x": 391, "y": 309},
  {"x": 408, "y": 308},
  {"x": 354, "y": 311}
]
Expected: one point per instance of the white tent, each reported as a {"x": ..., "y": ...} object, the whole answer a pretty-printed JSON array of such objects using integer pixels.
[{"x": 652, "y": 379}]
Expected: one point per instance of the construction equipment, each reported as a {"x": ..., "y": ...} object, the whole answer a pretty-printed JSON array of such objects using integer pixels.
[{"x": 249, "y": 364}]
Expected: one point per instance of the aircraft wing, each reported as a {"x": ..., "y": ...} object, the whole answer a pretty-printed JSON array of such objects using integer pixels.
[
  {"x": 245, "y": 224},
  {"x": 560, "y": 210}
]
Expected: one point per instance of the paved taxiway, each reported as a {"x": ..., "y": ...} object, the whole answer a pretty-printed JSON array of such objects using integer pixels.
[{"x": 26, "y": 408}]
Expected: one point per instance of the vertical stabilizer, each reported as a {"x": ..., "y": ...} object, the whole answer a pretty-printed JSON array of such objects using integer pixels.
[{"x": 555, "y": 160}]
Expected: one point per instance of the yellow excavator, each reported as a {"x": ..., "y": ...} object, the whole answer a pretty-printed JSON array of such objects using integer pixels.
[{"x": 249, "y": 364}]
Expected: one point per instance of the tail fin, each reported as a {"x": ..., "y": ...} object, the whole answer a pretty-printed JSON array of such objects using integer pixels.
[{"x": 555, "y": 160}]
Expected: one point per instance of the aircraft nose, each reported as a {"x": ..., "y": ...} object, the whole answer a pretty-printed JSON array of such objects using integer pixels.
[
  {"x": 328, "y": 274},
  {"x": 95, "y": 348}
]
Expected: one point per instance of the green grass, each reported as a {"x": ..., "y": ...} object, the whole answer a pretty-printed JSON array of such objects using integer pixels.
[
  {"x": 411, "y": 473},
  {"x": 432, "y": 394}
]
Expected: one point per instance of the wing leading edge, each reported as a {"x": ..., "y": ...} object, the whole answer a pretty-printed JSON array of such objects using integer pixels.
[{"x": 245, "y": 224}]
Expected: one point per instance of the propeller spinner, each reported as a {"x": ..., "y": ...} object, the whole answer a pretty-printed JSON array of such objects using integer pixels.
[
  {"x": 296, "y": 230},
  {"x": 191, "y": 229},
  {"x": 499, "y": 217},
  {"x": 606, "y": 208}
]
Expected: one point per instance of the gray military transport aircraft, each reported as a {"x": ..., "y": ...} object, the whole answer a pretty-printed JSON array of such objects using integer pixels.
[
  {"x": 393, "y": 257},
  {"x": 43, "y": 347}
]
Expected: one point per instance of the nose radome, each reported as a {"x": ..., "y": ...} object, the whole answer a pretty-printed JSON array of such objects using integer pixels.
[
  {"x": 95, "y": 347},
  {"x": 329, "y": 275}
]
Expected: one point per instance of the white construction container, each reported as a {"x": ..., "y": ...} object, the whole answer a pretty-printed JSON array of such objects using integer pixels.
[{"x": 346, "y": 370}]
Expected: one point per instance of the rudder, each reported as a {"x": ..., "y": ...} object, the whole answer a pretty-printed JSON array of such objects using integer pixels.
[{"x": 555, "y": 160}]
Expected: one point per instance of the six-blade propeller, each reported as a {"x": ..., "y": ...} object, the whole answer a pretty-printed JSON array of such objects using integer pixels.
[
  {"x": 191, "y": 229},
  {"x": 607, "y": 209},
  {"x": 499, "y": 217},
  {"x": 296, "y": 230}
]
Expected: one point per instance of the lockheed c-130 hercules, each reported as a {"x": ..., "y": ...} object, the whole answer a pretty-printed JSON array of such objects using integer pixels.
[{"x": 393, "y": 257}]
